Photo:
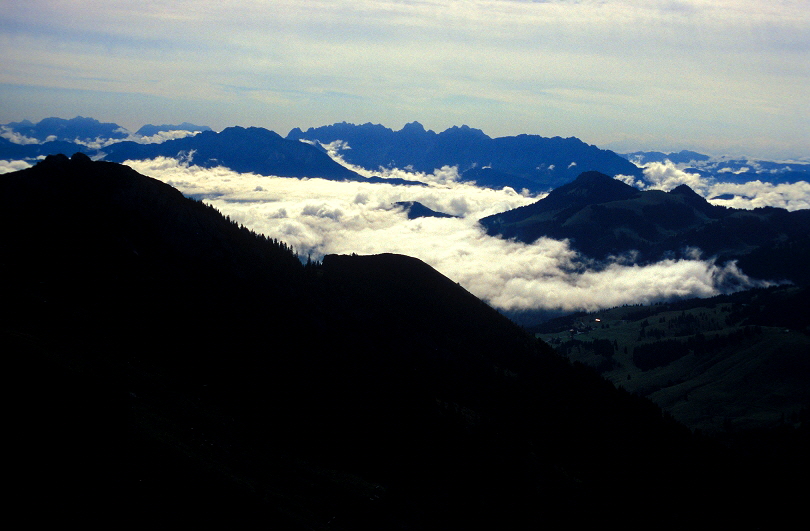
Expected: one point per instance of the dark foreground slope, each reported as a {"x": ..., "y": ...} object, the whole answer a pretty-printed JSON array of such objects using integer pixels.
[{"x": 171, "y": 366}]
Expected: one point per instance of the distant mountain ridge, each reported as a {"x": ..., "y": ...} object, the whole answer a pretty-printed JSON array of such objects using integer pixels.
[
  {"x": 727, "y": 169},
  {"x": 529, "y": 162},
  {"x": 150, "y": 130},
  {"x": 537, "y": 162},
  {"x": 601, "y": 216},
  {"x": 682, "y": 157},
  {"x": 78, "y": 128},
  {"x": 240, "y": 149},
  {"x": 247, "y": 150}
]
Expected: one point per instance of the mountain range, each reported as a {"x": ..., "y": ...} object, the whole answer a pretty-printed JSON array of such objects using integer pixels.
[
  {"x": 529, "y": 162},
  {"x": 524, "y": 161},
  {"x": 172, "y": 365},
  {"x": 603, "y": 217}
]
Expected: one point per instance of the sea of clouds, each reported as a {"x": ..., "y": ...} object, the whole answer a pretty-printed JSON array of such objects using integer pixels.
[{"x": 319, "y": 217}]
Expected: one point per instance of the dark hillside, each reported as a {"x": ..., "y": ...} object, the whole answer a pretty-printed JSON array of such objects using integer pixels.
[
  {"x": 169, "y": 364},
  {"x": 602, "y": 217}
]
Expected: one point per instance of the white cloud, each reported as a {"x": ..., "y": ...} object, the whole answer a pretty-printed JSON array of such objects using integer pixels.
[
  {"x": 667, "y": 176},
  {"x": 319, "y": 217},
  {"x": 158, "y": 138},
  {"x": 756, "y": 194},
  {"x": 16, "y": 138},
  {"x": 162, "y": 136},
  {"x": 7, "y": 166}
]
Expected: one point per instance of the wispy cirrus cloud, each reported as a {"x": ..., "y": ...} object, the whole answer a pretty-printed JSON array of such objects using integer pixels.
[{"x": 727, "y": 75}]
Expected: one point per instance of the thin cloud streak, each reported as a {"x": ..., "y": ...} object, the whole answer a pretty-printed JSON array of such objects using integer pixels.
[{"x": 319, "y": 217}]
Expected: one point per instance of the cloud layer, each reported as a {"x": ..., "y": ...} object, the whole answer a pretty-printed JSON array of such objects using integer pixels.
[{"x": 319, "y": 217}]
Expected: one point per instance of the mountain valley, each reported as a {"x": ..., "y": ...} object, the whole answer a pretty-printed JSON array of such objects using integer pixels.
[{"x": 179, "y": 366}]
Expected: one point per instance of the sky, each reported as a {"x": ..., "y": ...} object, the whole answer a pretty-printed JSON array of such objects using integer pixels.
[{"x": 722, "y": 77}]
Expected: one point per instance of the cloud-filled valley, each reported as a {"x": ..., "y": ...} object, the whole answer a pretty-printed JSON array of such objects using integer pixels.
[
  {"x": 324, "y": 216},
  {"x": 319, "y": 217}
]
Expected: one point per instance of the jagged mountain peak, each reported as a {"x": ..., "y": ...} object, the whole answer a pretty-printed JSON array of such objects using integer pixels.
[
  {"x": 465, "y": 130},
  {"x": 414, "y": 128}
]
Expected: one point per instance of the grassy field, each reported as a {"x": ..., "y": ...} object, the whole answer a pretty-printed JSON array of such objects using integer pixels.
[{"x": 708, "y": 363}]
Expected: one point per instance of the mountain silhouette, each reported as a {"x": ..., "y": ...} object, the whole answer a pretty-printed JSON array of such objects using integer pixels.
[
  {"x": 171, "y": 364},
  {"x": 415, "y": 209},
  {"x": 151, "y": 130},
  {"x": 75, "y": 129},
  {"x": 601, "y": 216},
  {"x": 252, "y": 149},
  {"x": 533, "y": 162}
]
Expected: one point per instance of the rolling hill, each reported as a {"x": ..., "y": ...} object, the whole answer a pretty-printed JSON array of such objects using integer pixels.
[{"x": 603, "y": 217}]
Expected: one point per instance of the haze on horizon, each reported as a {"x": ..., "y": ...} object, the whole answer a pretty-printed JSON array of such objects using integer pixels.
[{"x": 729, "y": 77}]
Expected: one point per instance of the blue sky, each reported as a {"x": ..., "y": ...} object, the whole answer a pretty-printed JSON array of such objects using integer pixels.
[{"x": 720, "y": 77}]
